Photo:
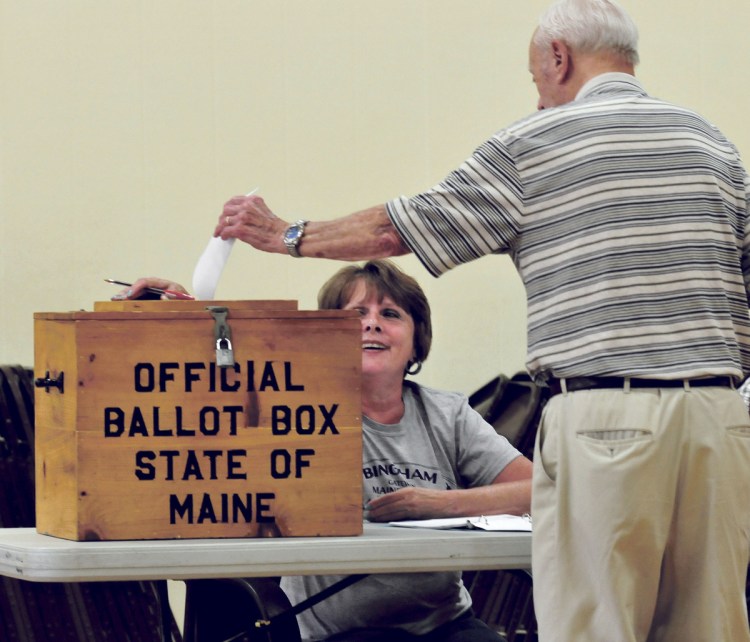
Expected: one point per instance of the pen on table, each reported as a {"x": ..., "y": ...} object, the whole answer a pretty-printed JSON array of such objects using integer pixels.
[{"x": 173, "y": 294}]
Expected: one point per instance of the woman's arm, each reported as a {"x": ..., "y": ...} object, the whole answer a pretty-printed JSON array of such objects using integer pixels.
[{"x": 509, "y": 493}]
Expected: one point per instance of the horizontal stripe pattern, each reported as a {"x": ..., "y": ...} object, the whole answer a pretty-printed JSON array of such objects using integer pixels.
[{"x": 627, "y": 218}]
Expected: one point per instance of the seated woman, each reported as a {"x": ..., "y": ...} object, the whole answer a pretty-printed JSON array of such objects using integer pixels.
[{"x": 426, "y": 454}]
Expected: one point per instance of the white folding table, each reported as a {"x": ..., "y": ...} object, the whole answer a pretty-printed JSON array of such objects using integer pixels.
[{"x": 25, "y": 554}]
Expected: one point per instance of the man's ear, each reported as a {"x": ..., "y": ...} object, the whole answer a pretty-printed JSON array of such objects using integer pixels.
[{"x": 563, "y": 63}]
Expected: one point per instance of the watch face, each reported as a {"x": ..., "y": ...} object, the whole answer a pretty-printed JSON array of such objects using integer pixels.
[{"x": 293, "y": 233}]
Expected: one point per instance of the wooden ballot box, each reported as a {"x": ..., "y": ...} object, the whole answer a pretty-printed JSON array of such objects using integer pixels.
[{"x": 193, "y": 419}]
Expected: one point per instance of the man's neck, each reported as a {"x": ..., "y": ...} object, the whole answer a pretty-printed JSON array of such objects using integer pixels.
[{"x": 588, "y": 66}]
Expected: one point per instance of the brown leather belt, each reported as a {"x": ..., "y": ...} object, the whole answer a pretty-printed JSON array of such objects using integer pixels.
[{"x": 592, "y": 383}]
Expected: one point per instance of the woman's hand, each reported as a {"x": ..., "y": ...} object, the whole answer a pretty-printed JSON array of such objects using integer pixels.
[
  {"x": 410, "y": 503},
  {"x": 138, "y": 288}
]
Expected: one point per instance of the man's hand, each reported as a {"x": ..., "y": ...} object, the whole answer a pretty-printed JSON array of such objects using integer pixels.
[{"x": 249, "y": 219}]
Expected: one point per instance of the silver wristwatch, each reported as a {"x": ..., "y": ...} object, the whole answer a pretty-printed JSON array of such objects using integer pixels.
[{"x": 293, "y": 237}]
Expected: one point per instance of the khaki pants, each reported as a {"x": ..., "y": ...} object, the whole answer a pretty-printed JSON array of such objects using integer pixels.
[{"x": 641, "y": 509}]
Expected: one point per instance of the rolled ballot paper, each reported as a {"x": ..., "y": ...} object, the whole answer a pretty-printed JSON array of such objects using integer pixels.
[{"x": 211, "y": 264}]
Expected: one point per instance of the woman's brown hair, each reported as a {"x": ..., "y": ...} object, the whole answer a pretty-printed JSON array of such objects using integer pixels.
[{"x": 387, "y": 279}]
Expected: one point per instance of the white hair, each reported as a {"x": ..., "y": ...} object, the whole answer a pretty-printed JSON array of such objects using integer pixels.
[{"x": 590, "y": 26}]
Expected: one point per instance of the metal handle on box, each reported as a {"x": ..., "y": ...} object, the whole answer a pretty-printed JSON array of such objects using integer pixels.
[{"x": 48, "y": 383}]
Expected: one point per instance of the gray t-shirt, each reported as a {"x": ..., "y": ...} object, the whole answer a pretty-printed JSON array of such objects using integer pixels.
[{"x": 440, "y": 443}]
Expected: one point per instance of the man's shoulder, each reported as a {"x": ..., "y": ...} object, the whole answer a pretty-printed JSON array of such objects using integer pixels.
[
  {"x": 544, "y": 121},
  {"x": 588, "y": 113}
]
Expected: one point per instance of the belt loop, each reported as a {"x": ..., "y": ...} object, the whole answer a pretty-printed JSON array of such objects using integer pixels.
[
  {"x": 731, "y": 383},
  {"x": 626, "y": 385},
  {"x": 564, "y": 386},
  {"x": 686, "y": 384}
]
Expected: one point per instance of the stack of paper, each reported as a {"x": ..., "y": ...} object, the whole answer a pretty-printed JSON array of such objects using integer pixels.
[{"x": 483, "y": 522}]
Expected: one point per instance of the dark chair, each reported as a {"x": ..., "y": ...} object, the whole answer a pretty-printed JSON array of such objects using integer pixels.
[
  {"x": 61, "y": 611},
  {"x": 238, "y": 610},
  {"x": 16, "y": 449},
  {"x": 513, "y": 406},
  {"x": 504, "y": 599}
]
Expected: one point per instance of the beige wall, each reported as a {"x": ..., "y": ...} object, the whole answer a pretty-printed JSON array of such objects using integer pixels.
[{"x": 126, "y": 125}]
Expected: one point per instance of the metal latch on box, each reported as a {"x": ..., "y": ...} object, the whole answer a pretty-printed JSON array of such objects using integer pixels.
[
  {"x": 223, "y": 336},
  {"x": 46, "y": 382}
]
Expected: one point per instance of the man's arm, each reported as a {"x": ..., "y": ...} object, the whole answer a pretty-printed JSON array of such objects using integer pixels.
[{"x": 367, "y": 234}]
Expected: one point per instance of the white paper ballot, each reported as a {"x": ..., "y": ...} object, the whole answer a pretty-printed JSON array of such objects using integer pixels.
[{"x": 210, "y": 266}]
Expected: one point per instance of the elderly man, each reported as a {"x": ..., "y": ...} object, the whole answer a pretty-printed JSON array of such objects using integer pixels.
[{"x": 627, "y": 219}]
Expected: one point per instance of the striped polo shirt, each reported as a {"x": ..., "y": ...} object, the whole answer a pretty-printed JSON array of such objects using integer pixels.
[{"x": 627, "y": 219}]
